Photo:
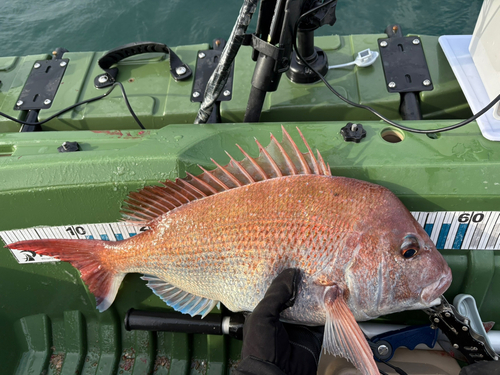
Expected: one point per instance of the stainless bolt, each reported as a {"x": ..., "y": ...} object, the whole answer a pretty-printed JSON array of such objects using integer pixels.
[
  {"x": 180, "y": 70},
  {"x": 62, "y": 63},
  {"x": 65, "y": 145},
  {"x": 354, "y": 127},
  {"x": 416, "y": 41},
  {"x": 427, "y": 82},
  {"x": 447, "y": 314},
  {"x": 47, "y": 101},
  {"x": 392, "y": 84},
  {"x": 495, "y": 358},
  {"x": 19, "y": 103},
  {"x": 201, "y": 55},
  {"x": 227, "y": 92},
  {"x": 455, "y": 346},
  {"x": 383, "y": 43},
  {"x": 383, "y": 349},
  {"x": 102, "y": 79},
  {"x": 36, "y": 66},
  {"x": 196, "y": 94},
  {"x": 436, "y": 320},
  {"x": 465, "y": 329}
]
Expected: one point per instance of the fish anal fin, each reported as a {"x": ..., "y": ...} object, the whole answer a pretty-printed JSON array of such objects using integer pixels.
[
  {"x": 179, "y": 299},
  {"x": 276, "y": 160},
  {"x": 343, "y": 337}
]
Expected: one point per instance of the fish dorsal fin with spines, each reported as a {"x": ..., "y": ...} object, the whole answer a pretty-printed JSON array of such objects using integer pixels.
[{"x": 276, "y": 160}]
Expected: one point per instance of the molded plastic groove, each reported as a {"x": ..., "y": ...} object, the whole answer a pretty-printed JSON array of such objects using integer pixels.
[
  {"x": 110, "y": 344},
  {"x": 75, "y": 340},
  {"x": 217, "y": 355},
  {"x": 180, "y": 363},
  {"x": 35, "y": 330},
  {"x": 139, "y": 358}
]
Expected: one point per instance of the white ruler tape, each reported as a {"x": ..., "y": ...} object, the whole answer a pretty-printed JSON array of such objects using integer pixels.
[
  {"x": 466, "y": 230},
  {"x": 106, "y": 231}
]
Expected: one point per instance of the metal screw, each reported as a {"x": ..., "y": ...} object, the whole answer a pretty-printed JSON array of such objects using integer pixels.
[
  {"x": 19, "y": 103},
  {"x": 62, "y": 63},
  {"x": 227, "y": 92},
  {"x": 47, "y": 101},
  {"x": 465, "y": 329},
  {"x": 455, "y": 346},
  {"x": 383, "y": 349},
  {"x": 436, "y": 320},
  {"x": 495, "y": 358},
  {"x": 180, "y": 70},
  {"x": 427, "y": 82},
  {"x": 383, "y": 43},
  {"x": 201, "y": 55},
  {"x": 36, "y": 66},
  {"x": 104, "y": 78},
  {"x": 416, "y": 41},
  {"x": 196, "y": 94},
  {"x": 447, "y": 314},
  {"x": 65, "y": 145},
  {"x": 392, "y": 84},
  {"x": 354, "y": 127}
]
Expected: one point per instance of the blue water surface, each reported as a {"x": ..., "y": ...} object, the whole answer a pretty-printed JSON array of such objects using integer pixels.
[{"x": 32, "y": 27}]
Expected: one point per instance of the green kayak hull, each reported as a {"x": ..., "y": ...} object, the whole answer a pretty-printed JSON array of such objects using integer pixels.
[{"x": 47, "y": 313}]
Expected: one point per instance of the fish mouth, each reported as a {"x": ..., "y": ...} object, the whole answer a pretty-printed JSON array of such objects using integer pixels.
[{"x": 432, "y": 292}]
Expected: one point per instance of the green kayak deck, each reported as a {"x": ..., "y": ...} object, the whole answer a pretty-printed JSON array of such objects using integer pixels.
[{"x": 46, "y": 312}]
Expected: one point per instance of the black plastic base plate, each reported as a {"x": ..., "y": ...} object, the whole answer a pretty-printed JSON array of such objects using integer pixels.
[
  {"x": 405, "y": 67},
  {"x": 42, "y": 84},
  {"x": 299, "y": 73},
  {"x": 205, "y": 65}
]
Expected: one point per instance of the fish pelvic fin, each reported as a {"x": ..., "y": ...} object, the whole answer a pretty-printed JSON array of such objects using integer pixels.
[
  {"x": 343, "y": 337},
  {"x": 86, "y": 256},
  {"x": 278, "y": 159}
]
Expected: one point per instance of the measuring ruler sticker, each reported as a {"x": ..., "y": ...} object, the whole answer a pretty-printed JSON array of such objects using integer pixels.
[
  {"x": 479, "y": 233},
  {"x": 466, "y": 230},
  {"x": 429, "y": 223},
  {"x": 422, "y": 217},
  {"x": 106, "y": 231}
]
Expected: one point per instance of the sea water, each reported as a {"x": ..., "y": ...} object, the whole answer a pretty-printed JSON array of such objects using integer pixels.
[{"x": 32, "y": 27}]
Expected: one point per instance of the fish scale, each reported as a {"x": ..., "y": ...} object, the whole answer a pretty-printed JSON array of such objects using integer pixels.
[
  {"x": 277, "y": 239},
  {"x": 225, "y": 234}
]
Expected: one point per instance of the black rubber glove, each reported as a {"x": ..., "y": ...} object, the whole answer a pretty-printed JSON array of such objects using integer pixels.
[
  {"x": 273, "y": 348},
  {"x": 482, "y": 368}
]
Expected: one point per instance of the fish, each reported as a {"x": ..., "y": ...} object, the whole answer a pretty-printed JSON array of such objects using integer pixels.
[{"x": 225, "y": 234}]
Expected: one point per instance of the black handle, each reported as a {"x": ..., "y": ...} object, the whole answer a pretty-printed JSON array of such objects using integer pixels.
[
  {"x": 178, "y": 69},
  {"x": 212, "y": 324}
]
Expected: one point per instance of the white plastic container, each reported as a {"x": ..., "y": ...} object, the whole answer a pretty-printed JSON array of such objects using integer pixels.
[{"x": 485, "y": 49}]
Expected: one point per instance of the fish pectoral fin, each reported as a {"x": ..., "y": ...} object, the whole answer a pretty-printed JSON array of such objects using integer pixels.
[
  {"x": 343, "y": 337},
  {"x": 179, "y": 299}
]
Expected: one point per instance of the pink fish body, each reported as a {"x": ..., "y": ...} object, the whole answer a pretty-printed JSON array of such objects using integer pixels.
[{"x": 226, "y": 234}]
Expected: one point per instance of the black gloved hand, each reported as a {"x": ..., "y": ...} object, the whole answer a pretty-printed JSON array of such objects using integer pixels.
[
  {"x": 271, "y": 347},
  {"x": 482, "y": 368}
]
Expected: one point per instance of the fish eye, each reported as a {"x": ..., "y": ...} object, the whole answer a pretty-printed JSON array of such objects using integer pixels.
[
  {"x": 409, "y": 253},
  {"x": 410, "y": 247}
]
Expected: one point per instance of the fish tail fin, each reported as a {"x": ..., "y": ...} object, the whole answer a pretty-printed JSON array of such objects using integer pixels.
[{"x": 86, "y": 256}]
